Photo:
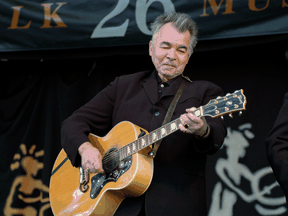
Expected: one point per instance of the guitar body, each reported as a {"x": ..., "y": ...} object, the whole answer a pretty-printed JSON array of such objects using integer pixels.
[{"x": 65, "y": 195}]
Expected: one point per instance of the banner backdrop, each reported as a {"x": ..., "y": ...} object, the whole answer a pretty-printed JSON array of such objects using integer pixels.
[{"x": 52, "y": 24}]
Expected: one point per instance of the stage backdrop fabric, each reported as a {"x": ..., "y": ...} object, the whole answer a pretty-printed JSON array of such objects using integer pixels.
[
  {"x": 36, "y": 96},
  {"x": 44, "y": 25}
]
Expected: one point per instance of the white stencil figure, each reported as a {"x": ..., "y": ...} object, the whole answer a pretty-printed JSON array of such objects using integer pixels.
[{"x": 231, "y": 171}]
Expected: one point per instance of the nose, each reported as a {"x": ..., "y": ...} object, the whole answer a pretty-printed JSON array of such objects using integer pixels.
[{"x": 171, "y": 54}]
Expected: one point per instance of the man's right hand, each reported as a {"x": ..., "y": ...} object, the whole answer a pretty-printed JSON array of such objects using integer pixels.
[{"x": 91, "y": 158}]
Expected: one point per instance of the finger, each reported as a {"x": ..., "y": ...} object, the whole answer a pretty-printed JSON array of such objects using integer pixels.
[
  {"x": 186, "y": 122},
  {"x": 183, "y": 119},
  {"x": 194, "y": 119},
  {"x": 182, "y": 128},
  {"x": 191, "y": 110},
  {"x": 88, "y": 166},
  {"x": 93, "y": 167}
]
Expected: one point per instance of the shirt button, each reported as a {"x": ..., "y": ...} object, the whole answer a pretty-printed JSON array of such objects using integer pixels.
[
  {"x": 157, "y": 113},
  {"x": 162, "y": 85}
]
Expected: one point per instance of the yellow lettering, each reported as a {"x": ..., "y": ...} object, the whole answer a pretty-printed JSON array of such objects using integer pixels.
[
  {"x": 284, "y": 3},
  {"x": 215, "y": 7},
  {"x": 15, "y": 19},
  {"x": 48, "y": 16},
  {"x": 252, "y": 5}
]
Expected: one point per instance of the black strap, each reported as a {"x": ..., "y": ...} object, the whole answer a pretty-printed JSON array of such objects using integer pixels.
[{"x": 169, "y": 115}]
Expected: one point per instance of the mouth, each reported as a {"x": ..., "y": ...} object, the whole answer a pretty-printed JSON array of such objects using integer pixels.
[{"x": 169, "y": 65}]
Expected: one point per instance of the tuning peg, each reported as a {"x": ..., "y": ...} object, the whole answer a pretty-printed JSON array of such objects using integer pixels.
[
  {"x": 230, "y": 115},
  {"x": 240, "y": 113}
]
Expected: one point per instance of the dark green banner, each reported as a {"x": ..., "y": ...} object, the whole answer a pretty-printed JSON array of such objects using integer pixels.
[{"x": 42, "y": 25}]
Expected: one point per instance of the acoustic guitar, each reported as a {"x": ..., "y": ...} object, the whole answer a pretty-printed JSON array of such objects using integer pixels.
[{"x": 126, "y": 162}]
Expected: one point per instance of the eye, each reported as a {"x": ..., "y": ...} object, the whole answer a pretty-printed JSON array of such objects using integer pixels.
[
  {"x": 165, "y": 47},
  {"x": 182, "y": 50}
]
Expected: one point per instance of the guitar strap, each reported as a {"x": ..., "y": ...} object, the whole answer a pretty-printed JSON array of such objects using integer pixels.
[{"x": 169, "y": 114}]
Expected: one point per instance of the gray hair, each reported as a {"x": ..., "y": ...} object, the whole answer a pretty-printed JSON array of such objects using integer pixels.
[{"x": 182, "y": 22}]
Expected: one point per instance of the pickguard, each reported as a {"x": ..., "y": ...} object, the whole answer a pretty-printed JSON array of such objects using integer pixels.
[{"x": 100, "y": 180}]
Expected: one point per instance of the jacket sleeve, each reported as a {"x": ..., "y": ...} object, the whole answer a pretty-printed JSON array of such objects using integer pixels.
[
  {"x": 95, "y": 117},
  {"x": 277, "y": 147},
  {"x": 218, "y": 131}
]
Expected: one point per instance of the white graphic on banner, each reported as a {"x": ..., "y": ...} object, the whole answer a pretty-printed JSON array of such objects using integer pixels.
[{"x": 230, "y": 171}]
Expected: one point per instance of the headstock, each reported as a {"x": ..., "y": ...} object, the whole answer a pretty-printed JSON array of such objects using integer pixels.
[{"x": 225, "y": 105}]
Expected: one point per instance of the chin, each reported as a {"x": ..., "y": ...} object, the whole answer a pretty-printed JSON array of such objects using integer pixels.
[{"x": 168, "y": 74}]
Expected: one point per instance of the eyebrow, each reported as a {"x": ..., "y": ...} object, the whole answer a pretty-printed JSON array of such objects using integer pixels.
[{"x": 169, "y": 44}]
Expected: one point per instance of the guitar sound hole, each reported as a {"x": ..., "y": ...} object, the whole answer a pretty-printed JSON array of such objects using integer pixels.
[{"x": 111, "y": 160}]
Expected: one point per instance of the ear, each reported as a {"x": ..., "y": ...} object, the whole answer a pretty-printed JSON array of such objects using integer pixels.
[{"x": 150, "y": 47}]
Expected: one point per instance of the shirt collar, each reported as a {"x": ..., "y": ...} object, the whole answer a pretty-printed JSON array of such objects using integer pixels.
[{"x": 168, "y": 83}]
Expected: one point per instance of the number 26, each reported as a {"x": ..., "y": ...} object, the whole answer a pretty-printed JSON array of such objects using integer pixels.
[{"x": 140, "y": 16}]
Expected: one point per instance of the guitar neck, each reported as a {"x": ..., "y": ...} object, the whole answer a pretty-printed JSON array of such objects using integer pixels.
[
  {"x": 216, "y": 107},
  {"x": 152, "y": 137}
]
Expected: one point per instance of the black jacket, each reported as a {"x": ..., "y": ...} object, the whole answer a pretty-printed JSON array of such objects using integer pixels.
[{"x": 178, "y": 185}]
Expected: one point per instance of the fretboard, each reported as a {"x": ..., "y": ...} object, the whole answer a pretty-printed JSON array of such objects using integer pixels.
[{"x": 149, "y": 139}]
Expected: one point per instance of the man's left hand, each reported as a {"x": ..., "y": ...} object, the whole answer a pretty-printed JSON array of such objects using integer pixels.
[{"x": 190, "y": 123}]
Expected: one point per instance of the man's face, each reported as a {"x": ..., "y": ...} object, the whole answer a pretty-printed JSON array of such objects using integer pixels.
[{"x": 170, "y": 51}]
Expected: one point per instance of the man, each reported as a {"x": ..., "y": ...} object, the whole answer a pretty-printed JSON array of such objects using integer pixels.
[
  {"x": 178, "y": 185},
  {"x": 277, "y": 147}
]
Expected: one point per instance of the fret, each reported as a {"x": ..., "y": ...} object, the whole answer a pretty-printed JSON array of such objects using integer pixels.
[
  {"x": 154, "y": 137},
  {"x": 123, "y": 152},
  {"x": 173, "y": 127},
  {"x": 137, "y": 143},
  {"x": 147, "y": 139},
  {"x": 167, "y": 128},
  {"x": 134, "y": 148},
  {"x": 158, "y": 132},
  {"x": 143, "y": 143},
  {"x": 120, "y": 154},
  {"x": 163, "y": 132},
  {"x": 128, "y": 150},
  {"x": 131, "y": 148}
]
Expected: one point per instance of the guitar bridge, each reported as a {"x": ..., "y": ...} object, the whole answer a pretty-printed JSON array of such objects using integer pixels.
[{"x": 101, "y": 179}]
